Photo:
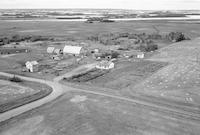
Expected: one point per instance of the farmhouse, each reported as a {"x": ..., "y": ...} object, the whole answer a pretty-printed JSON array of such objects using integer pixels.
[
  {"x": 74, "y": 50},
  {"x": 30, "y": 65}
]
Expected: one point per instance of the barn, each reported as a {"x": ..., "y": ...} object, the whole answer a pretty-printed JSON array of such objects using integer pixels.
[{"x": 74, "y": 50}]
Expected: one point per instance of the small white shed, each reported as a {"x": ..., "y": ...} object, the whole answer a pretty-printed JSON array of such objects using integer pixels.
[
  {"x": 76, "y": 50},
  {"x": 57, "y": 51},
  {"x": 50, "y": 49},
  {"x": 140, "y": 55}
]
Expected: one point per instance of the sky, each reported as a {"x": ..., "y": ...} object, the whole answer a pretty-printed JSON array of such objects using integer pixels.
[{"x": 111, "y": 4}]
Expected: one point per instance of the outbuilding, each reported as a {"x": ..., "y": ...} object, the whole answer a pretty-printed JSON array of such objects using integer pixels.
[
  {"x": 57, "y": 51},
  {"x": 134, "y": 54},
  {"x": 50, "y": 49},
  {"x": 140, "y": 55}
]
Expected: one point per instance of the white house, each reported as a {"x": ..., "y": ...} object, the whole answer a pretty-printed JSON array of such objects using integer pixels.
[
  {"x": 76, "y": 50},
  {"x": 105, "y": 65}
]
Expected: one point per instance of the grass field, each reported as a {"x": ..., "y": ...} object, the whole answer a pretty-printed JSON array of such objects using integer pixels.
[
  {"x": 82, "y": 30},
  {"x": 180, "y": 80},
  {"x": 13, "y": 95},
  {"x": 97, "y": 115}
]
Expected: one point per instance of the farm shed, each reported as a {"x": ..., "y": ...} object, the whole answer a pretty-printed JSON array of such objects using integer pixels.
[
  {"x": 105, "y": 65},
  {"x": 135, "y": 54},
  {"x": 76, "y": 50},
  {"x": 57, "y": 51},
  {"x": 140, "y": 55},
  {"x": 50, "y": 49}
]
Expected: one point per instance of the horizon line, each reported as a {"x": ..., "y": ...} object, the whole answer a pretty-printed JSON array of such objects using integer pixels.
[{"x": 101, "y": 9}]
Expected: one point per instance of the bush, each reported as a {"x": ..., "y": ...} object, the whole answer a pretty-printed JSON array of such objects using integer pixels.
[
  {"x": 176, "y": 36},
  {"x": 38, "y": 38},
  {"x": 148, "y": 47},
  {"x": 151, "y": 47},
  {"x": 15, "y": 79}
]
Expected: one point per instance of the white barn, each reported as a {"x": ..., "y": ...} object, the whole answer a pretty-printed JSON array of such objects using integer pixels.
[{"x": 76, "y": 50}]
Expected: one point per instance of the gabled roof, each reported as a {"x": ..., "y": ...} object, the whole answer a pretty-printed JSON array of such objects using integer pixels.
[
  {"x": 57, "y": 51},
  {"x": 72, "y": 49}
]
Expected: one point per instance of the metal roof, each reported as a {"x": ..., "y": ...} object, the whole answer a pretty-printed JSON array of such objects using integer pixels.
[{"x": 72, "y": 49}]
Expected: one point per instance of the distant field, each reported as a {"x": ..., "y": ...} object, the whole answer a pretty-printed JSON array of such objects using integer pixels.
[{"x": 82, "y": 30}]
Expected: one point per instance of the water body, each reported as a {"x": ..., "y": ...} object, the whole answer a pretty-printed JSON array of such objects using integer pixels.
[{"x": 189, "y": 17}]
